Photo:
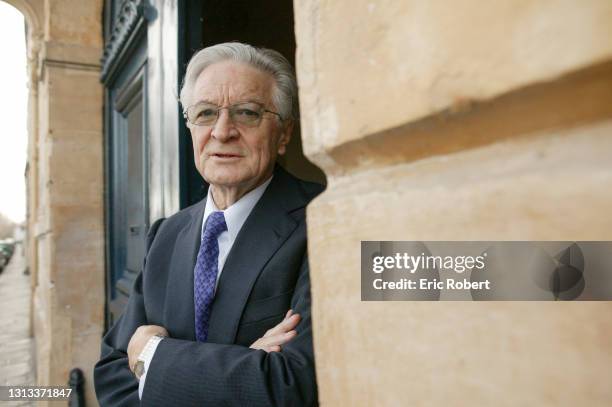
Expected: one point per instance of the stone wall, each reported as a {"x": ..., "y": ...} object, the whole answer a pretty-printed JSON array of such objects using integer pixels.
[
  {"x": 65, "y": 186},
  {"x": 463, "y": 120}
]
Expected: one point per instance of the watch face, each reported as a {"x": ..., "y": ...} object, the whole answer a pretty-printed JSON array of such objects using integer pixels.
[{"x": 139, "y": 369}]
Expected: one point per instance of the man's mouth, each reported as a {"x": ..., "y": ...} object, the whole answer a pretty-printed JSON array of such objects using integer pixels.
[{"x": 220, "y": 155}]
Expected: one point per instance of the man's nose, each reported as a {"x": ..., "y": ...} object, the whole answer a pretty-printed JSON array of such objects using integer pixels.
[{"x": 224, "y": 128}]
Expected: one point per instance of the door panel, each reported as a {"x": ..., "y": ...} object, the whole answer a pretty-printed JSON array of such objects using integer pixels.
[
  {"x": 124, "y": 74},
  {"x": 136, "y": 225},
  {"x": 129, "y": 185}
]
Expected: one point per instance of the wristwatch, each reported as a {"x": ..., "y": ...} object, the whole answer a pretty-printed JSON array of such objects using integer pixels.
[{"x": 147, "y": 352}]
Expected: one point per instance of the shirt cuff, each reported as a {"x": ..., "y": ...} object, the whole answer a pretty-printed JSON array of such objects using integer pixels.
[{"x": 147, "y": 361}]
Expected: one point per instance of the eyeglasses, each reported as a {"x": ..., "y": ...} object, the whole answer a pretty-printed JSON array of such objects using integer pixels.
[{"x": 247, "y": 113}]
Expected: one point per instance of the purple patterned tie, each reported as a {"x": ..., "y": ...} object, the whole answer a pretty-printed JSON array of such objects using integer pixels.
[{"x": 205, "y": 274}]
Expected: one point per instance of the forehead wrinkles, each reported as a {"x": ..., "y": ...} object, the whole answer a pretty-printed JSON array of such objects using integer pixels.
[
  {"x": 228, "y": 93},
  {"x": 228, "y": 83}
]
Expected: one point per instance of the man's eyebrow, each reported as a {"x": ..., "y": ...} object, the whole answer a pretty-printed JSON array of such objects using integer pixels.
[{"x": 247, "y": 100}]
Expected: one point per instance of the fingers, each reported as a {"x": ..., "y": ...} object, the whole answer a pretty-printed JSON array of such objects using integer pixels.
[
  {"x": 163, "y": 331},
  {"x": 289, "y": 323},
  {"x": 279, "y": 335},
  {"x": 273, "y": 343}
]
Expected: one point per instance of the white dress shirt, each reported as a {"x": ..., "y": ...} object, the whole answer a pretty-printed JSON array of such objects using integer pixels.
[{"x": 235, "y": 216}]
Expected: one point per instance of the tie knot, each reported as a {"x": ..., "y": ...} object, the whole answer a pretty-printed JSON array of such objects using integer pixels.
[{"x": 215, "y": 224}]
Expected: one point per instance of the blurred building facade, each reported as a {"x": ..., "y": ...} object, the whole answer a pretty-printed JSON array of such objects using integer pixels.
[
  {"x": 430, "y": 120},
  {"x": 65, "y": 228}
]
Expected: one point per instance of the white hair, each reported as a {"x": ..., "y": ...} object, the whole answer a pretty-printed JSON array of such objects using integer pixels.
[{"x": 266, "y": 60}]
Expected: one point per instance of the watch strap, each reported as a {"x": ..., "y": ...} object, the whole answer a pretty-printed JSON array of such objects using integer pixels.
[{"x": 146, "y": 354}]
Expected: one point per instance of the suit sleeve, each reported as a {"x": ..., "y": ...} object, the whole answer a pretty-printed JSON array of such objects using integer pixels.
[
  {"x": 114, "y": 382},
  {"x": 190, "y": 373}
]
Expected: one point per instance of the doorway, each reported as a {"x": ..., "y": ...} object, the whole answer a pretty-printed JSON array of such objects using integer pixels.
[{"x": 261, "y": 23}]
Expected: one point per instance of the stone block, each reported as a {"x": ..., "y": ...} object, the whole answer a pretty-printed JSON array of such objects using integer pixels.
[
  {"x": 548, "y": 186},
  {"x": 389, "y": 63},
  {"x": 74, "y": 21},
  {"x": 76, "y": 173},
  {"x": 74, "y": 108},
  {"x": 84, "y": 56}
]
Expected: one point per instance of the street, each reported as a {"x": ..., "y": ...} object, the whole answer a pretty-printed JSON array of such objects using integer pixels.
[{"x": 16, "y": 346}]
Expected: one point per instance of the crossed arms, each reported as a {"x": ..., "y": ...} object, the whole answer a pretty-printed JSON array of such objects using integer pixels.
[{"x": 188, "y": 373}]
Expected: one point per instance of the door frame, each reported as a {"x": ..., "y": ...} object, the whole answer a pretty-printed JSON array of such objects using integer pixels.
[{"x": 124, "y": 69}]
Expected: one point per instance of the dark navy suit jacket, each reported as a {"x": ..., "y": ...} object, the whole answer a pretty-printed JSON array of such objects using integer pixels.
[{"x": 265, "y": 274}]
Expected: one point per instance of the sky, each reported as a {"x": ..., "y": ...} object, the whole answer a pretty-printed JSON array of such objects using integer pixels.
[{"x": 13, "y": 113}]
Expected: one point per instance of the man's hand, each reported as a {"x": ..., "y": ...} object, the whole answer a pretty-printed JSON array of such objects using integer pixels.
[
  {"x": 139, "y": 340},
  {"x": 279, "y": 335}
]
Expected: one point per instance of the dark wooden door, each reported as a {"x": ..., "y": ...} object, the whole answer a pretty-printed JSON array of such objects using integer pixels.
[
  {"x": 129, "y": 195},
  {"x": 126, "y": 144}
]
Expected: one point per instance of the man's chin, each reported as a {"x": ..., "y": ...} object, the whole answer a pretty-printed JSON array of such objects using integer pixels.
[{"x": 225, "y": 180}]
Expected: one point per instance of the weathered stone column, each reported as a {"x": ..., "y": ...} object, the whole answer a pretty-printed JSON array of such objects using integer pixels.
[
  {"x": 66, "y": 191},
  {"x": 463, "y": 120}
]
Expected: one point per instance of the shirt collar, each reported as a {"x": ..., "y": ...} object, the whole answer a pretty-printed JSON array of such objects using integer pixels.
[{"x": 237, "y": 213}]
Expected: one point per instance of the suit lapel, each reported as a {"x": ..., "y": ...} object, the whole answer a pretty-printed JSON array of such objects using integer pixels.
[
  {"x": 180, "y": 314},
  {"x": 263, "y": 233}
]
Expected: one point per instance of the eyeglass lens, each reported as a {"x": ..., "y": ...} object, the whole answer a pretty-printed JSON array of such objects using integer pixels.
[{"x": 205, "y": 114}]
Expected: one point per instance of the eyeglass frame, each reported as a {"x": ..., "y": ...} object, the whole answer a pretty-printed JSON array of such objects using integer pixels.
[{"x": 219, "y": 108}]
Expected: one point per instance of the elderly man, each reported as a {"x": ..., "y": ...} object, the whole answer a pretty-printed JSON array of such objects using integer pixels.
[{"x": 220, "y": 314}]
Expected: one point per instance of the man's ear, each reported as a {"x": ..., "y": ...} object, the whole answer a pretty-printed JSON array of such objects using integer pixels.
[{"x": 285, "y": 137}]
